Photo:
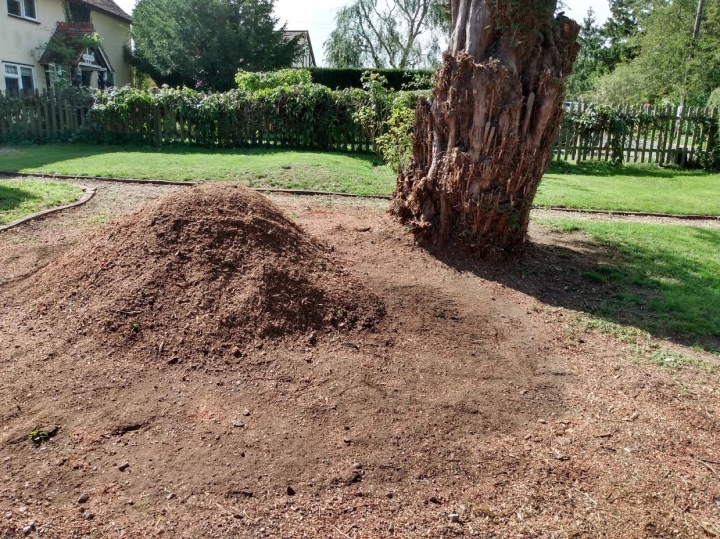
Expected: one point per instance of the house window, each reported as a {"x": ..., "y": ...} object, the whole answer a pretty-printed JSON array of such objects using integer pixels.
[
  {"x": 22, "y": 8},
  {"x": 19, "y": 79}
]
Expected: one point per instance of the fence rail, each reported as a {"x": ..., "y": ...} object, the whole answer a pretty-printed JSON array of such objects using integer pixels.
[{"x": 662, "y": 135}]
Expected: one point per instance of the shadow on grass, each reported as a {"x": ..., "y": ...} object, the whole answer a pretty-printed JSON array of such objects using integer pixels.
[
  {"x": 602, "y": 168},
  {"x": 12, "y": 198},
  {"x": 654, "y": 289}
]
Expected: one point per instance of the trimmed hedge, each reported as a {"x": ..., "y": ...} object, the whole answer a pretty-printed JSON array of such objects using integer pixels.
[
  {"x": 352, "y": 78},
  {"x": 310, "y": 117}
]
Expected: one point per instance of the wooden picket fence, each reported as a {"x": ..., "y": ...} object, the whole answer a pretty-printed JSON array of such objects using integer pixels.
[
  {"x": 55, "y": 116},
  {"x": 42, "y": 116},
  {"x": 662, "y": 135},
  {"x": 666, "y": 135},
  {"x": 160, "y": 126}
]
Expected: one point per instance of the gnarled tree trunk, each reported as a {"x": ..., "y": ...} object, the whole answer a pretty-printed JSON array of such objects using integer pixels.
[{"x": 483, "y": 144}]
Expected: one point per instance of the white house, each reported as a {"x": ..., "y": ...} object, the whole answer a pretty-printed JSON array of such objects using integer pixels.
[
  {"x": 29, "y": 26},
  {"x": 307, "y": 59}
]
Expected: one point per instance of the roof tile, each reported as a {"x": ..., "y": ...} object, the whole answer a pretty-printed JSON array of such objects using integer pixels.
[{"x": 108, "y": 7}]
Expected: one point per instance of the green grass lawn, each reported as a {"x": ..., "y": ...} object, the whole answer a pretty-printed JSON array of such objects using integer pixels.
[
  {"x": 600, "y": 186},
  {"x": 23, "y": 197},
  {"x": 664, "y": 279},
  {"x": 256, "y": 168},
  {"x": 587, "y": 186}
]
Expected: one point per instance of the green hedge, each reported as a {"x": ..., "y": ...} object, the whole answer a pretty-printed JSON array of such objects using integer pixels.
[
  {"x": 398, "y": 79},
  {"x": 309, "y": 117}
]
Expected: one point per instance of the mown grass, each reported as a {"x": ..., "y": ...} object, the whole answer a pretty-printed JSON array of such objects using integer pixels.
[
  {"x": 361, "y": 174},
  {"x": 585, "y": 186},
  {"x": 664, "y": 279},
  {"x": 600, "y": 186},
  {"x": 19, "y": 198}
]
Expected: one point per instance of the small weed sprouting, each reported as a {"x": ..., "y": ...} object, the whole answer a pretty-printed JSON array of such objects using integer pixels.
[
  {"x": 623, "y": 333},
  {"x": 592, "y": 276},
  {"x": 675, "y": 360},
  {"x": 561, "y": 226},
  {"x": 535, "y": 308},
  {"x": 134, "y": 326},
  {"x": 38, "y": 435}
]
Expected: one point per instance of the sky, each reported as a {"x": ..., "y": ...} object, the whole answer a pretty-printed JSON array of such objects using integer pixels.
[{"x": 317, "y": 16}]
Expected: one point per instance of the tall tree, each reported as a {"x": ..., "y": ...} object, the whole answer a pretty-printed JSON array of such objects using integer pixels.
[
  {"x": 483, "y": 144},
  {"x": 670, "y": 63},
  {"x": 205, "y": 42},
  {"x": 591, "y": 61},
  {"x": 622, "y": 30},
  {"x": 387, "y": 33}
]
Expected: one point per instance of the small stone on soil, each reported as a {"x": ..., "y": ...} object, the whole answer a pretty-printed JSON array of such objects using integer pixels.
[
  {"x": 454, "y": 517},
  {"x": 290, "y": 491},
  {"x": 238, "y": 424},
  {"x": 84, "y": 497},
  {"x": 246, "y": 412},
  {"x": 170, "y": 496},
  {"x": 124, "y": 466}
]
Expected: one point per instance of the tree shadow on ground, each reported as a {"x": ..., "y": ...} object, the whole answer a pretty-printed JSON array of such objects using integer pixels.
[
  {"x": 655, "y": 290},
  {"x": 11, "y": 198}
]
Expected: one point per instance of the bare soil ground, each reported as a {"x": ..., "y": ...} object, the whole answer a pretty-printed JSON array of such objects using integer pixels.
[{"x": 476, "y": 407}]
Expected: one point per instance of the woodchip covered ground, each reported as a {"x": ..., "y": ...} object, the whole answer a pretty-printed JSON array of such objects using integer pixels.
[{"x": 477, "y": 407}]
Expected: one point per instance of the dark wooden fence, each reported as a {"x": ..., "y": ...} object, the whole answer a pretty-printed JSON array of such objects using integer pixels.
[
  {"x": 41, "y": 117},
  {"x": 661, "y": 135}
]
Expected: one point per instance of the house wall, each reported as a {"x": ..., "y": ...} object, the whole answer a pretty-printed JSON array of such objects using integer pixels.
[
  {"x": 23, "y": 41},
  {"x": 115, "y": 34},
  {"x": 304, "y": 60}
]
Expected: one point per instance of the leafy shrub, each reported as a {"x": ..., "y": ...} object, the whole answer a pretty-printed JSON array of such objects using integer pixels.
[
  {"x": 308, "y": 117},
  {"x": 374, "y": 112},
  {"x": 268, "y": 80},
  {"x": 395, "y": 146},
  {"x": 387, "y": 119}
]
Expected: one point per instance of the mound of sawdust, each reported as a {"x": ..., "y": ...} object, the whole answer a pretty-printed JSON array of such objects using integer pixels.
[{"x": 204, "y": 271}]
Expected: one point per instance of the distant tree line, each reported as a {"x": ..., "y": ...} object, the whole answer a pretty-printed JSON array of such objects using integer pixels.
[
  {"x": 202, "y": 44},
  {"x": 645, "y": 53}
]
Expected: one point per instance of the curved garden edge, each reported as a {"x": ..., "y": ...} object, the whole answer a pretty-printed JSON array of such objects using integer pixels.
[
  {"x": 187, "y": 184},
  {"x": 88, "y": 194},
  {"x": 619, "y": 213}
]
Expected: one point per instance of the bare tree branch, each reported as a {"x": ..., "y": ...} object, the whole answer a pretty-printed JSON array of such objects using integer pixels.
[{"x": 396, "y": 33}]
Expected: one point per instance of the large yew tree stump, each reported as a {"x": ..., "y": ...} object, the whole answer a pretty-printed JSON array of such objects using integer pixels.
[{"x": 483, "y": 143}]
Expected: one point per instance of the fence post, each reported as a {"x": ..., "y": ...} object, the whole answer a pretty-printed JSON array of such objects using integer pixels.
[{"x": 712, "y": 132}]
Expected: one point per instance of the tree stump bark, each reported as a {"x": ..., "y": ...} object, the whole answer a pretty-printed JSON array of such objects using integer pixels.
[{"x": 483, "y": 144}]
